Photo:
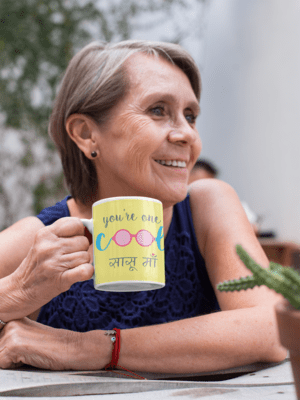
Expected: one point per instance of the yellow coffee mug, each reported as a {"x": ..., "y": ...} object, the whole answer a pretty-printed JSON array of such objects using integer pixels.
[{"x": 128, "y": 244}]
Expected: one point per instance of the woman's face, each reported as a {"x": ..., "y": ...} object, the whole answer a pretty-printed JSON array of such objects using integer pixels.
[{"x": 150, "y": 143}]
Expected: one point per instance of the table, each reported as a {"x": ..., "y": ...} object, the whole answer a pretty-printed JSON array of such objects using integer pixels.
[
  {"x": 284, "y": 253},
  {"x": 259, "y": 381}
]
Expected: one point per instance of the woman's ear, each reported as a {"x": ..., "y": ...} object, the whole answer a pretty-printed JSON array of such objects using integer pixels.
[{"x": 82, "y": 130}]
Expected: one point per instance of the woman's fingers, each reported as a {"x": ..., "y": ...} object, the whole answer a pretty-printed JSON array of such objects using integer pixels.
[
  {"x": 57, "y": 249},
  {"x": 78, "y": 267},
  {"x": 73, "y": 244},
  {"x": 78, "y": 274},
  {"x": 73, "y": 260},
  {"x": 67, "y": 227},
  {"x": 60, "y": 256},
  {"x": 65, "y": 236}
]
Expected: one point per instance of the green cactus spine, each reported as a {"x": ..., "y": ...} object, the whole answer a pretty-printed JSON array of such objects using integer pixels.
[{"x": 283, "y": 280}]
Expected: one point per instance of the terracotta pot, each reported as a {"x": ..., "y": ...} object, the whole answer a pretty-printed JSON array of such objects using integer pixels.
[{"x": 288, "y": 319}]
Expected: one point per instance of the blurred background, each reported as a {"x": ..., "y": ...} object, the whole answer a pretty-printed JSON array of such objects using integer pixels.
[{"x": 248, "y": 53}]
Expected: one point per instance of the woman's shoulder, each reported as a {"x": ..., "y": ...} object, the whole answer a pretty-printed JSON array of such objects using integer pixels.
[
  {"x": 210, "y": 187},
  {"x": 214, "y": 205},
  {"x": 206, "y": 194}
]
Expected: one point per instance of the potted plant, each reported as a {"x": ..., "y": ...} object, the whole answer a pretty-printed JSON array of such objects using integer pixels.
[{"x": 286, "y": 281}]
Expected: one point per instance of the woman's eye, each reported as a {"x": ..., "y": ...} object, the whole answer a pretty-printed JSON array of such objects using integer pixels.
[
  {"x": 191, "y": 118},
  {"x": 157, "y": 111}
]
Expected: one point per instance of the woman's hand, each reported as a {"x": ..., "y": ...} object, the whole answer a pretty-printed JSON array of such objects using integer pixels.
[
  {"x": 28, "y": 342},
  {"x": 59, "y": 257}
]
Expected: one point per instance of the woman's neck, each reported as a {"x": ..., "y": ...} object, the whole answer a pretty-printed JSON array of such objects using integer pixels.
[{"x": 78, "y": 209}]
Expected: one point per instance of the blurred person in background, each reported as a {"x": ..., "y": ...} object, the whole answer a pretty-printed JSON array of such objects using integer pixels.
[{"x": 203, "y": 169}]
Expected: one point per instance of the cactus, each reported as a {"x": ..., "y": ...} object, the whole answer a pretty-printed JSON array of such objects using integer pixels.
[{"x": 284, "y": 280}]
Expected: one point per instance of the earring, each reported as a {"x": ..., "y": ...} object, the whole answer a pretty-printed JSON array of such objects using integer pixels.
[{"x": 94, "y": 154}]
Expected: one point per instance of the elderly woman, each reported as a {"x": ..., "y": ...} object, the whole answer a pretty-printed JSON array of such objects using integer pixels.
[{"x": 124, "y": 122}]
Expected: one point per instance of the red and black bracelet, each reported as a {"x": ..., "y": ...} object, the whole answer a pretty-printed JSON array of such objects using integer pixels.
[
  {"x": 115, "y": 335},
  {"x": 116, "y": 342}
]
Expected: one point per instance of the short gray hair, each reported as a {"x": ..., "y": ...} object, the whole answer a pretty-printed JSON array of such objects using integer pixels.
[{"x": 94, "y": 82}]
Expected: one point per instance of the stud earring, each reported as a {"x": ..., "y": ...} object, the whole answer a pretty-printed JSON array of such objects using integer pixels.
[{"x": 94, "y": 154}]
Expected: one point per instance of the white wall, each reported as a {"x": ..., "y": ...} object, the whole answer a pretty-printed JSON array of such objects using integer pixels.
[{"x": 250, "y": 116}]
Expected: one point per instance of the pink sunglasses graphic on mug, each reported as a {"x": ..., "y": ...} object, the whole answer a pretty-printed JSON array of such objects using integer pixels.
[{"x": 123, "y": 238}]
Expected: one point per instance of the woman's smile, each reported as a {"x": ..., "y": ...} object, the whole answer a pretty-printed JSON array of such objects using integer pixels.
[{"x": 174, "y": 163}]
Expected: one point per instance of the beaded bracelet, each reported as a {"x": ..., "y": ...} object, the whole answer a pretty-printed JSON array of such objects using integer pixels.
[{"x": 2, "y": 324}]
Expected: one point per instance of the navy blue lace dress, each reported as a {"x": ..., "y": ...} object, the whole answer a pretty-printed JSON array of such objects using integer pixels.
[{"x": 188, "y": 291}]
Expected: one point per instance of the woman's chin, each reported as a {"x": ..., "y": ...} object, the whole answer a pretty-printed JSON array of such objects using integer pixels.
[
  {"x": 169, "y": 195},
  {"x": 175, "y": 195}
]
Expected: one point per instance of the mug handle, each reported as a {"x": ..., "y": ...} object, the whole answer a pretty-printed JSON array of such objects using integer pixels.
[{"x": 88, "y": 223}]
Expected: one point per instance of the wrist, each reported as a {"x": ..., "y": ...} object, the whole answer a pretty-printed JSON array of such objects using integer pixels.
[
  {"x": 13, "y": 302},
  {"x": 94, "y": 350},
  {"x": 115, "y": 337},
  {"x": 7, "y": 299}
]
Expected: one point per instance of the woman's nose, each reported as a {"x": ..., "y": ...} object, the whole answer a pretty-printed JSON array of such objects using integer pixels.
[{"x": 183, "y": 135}]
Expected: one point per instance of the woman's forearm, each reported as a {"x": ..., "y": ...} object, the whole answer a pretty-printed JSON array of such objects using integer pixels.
[
  {"x": 206, "y": 343},
  {"x": 212, "y": 342}
]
